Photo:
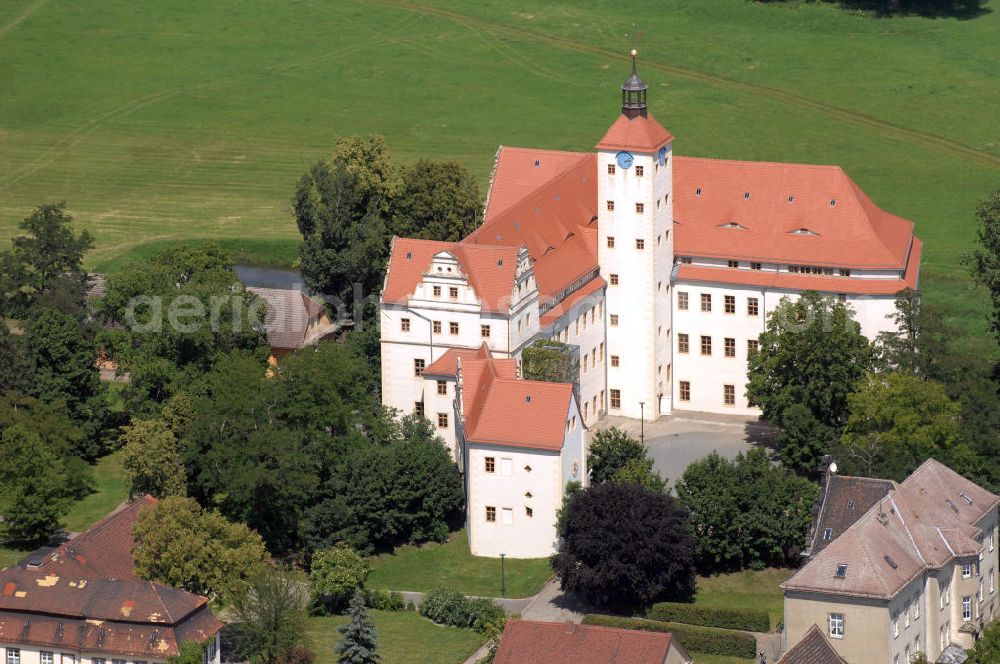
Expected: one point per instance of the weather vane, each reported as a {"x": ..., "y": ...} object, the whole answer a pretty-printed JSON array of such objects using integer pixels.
[{"x": 634, "y": 36}]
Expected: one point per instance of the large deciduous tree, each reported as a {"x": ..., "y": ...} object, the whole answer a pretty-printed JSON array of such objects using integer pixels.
[
  {"x": 616, "y": 456},
  {"x": 180, "y": 544},
  {"x": 334, "y": 576},
  {"x": 33, "y": 497},
  {"x": 151, "y": 460},
  {"x": 745, "y": 513},
  {"x": 984, "y": 262},
  {"x": 624, "y": 546},
  {"x": 812, "y": 353},
  {"x": 268, "y": 617},
  {"x": 438, "y": 201}
]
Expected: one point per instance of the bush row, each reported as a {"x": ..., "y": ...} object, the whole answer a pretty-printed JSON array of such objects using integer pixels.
[
  {"x": 382, "y": 600},
  {"x": 751, "y": 620},
  {"x": 449, "y": 607},
  {"x": 706, "y": 640}
]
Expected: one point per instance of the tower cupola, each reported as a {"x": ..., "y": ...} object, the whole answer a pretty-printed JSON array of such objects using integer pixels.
[{"x": 634, "y": 93}]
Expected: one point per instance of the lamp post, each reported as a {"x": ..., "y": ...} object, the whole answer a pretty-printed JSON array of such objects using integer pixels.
[
  {"x": 642, "y": 422},
  {"x": 503, "y": 587}
]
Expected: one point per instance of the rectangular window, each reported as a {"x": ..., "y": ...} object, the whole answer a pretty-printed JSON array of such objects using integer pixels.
[
  {"x": 614, "y": 279},
  {"x": 437, "y": 327},
  {"x": 453, "y": 293},
  {"x": 683, "y": 344},
  {"x": 404, "y": 324},
  {"x": 682, "y": 300},
  {"x": 752, "y": 309},
  {"x": 13, "y": 656},
  {"x": 916, "y": 607},
  {"x": 827, "y": 534},
  {"x": 616, "y": 399},
  {"x": 453, "y": 327},
  {"x": 484, "y": 331},
  {"x": 684, "y": 387},
  {"x": 895, "y": 626},
  {"x": 437, "y": 291},
  {"x": 733, "y": 264},
  {"x": 442, "y": 420},
  {"x": 418, "y": 408},
  {"x": 602, "y": 351},
  {"x": 837, "y": 625},
  {"x": 118, "y": 661},
  {"x": 490, "y": 464},
  {"x": 640, "y": 244},
  {"x": 491, "y": 514},
  {"x": 753, "y": 346},
  {"x": 706, "y": 345},
  {"x": 729, "y": 395},
  {"x": 418, "y": 367},
  {"x": 611, "y": 242},
  {"x": 611, "y": 169},
  {"x": 730, "y": 347},
  {"x": 729, "y": 302},
  {"x": 585, "y": 358},
  {"x": 966, "y": 569},
  {"x": 508, "y": 516},
  {"x": 611, "y": 206},
  {"x": 686, "y": 260},
  {"x": 906, "y": 615},
  {"x": 442, "y": 387},
  {"x": 991, "y": 586},
  {"x": 614, "y": 360},
  {"x": 706, "y": 302},
  {"x": 528, "y": 512},
  {"x": 506, "y": 467},
  {"x": 755, "y": 266},
  {"x": 614, "y": 320},
  {"x": 47, "y": 657},
  {"x": 639, "y": 207},
  {"x": 966, "y": 608},
  {"x": 638, "y": 171}
]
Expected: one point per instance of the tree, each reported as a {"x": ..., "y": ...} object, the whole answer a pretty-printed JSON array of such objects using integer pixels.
[
  {"x": 47, "y": 256},
  {"x": 803, "y": 440},
  {"x": 551, "y": 361},
  {"x": 439, "y": 201},
  {"x": 33, "y": 495},
  {"x": 181, "y": 545},
  {"x": 641, "y": 472},
  {"x": 896, "y": 422},
  {"x": 360, "y": 638},
  {"x": 336, "y": 573},
  {"x": 987, "y": 649},
  {"x": 624, "y": 547},
  {"x": 611, "y": 450},
  {"x": 15, "y": 371},
  {"x": 151, "y": 460},
  {"x": 745, "y": 512},
  {"x": 812, "y": 353},
  {"x": 984, "y": 262},
  {"x": 268, "y": 618},
  {"x": 62, "y": 357},
  {"x": 190, "y": 652}
]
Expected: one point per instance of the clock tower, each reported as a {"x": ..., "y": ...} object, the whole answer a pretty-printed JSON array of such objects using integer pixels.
[{"x": 635, "y": 254}]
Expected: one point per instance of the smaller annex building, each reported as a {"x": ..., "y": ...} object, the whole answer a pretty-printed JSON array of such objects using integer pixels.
[
  {"x": 81, "y": 603},
  {"x": 518, "y": 443},
  {"x": 531, "y": 642}
]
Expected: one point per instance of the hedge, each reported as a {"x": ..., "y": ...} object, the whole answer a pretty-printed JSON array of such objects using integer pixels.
[
  {"x": 449, "y": 607},
  {"x": 750, "y": 620},
  {"x": 706, "y": 640}
]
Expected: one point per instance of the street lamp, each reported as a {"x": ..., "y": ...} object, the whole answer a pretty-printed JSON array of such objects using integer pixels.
[
  {"x": 503, "y": 587},
  {"x": 642, "y": 422}
]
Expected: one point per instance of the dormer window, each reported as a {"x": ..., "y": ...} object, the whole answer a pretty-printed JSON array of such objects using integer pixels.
[
  {"x": 833, "y": 202},
  {"x": 409, "y": 255},
  {"x": 804, "y": 231},
  {"x": 791, "y": 198},
  {"x": 827, "y": 534},
  {"x": 746, "y": 195},
  {"x": 964, "y": 496},
  {"x": 734, "y": 225},
  {"x": 537, "y": 163},
  {"x": 697, "y": 192},
  {"x": 842, "y": 571}
]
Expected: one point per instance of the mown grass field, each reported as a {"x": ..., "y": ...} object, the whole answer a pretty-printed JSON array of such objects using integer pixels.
[{"x": 166, "y": 121}]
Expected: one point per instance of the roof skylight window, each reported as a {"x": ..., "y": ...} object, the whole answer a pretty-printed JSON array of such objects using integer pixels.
[{"x": 842, "y": 571}]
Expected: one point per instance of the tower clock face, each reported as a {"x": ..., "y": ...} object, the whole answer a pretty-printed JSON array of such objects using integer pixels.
[
  {"x": 625, "y": 160},
  {"x": 661, "y": 156}
]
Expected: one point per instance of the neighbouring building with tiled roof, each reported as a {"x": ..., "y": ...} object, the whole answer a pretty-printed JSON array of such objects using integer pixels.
[
  {"x": 293, "y": 320},
  {"x": 813, "y": 648},
  {"x": 658, "y": 270},
  {"x": 916, "y": 571},
  {"x": 531, "y": 642},
  {"x": 83, "y": 604}
]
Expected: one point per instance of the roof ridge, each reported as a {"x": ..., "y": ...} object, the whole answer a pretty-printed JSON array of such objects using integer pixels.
[{"x": 795, "y": 164}]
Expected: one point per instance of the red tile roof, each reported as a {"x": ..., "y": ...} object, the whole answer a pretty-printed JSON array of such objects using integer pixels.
[
  {"x": 493, "y": 398},
  {"x": 490, "y": 269},
  {"x": 814, "y": 648},
  {"x": 531, "y": 642},
  {"x": 447, "y": 364},
  {"x": 103, "y": 550},
  {"x": 640, "y": 134}
]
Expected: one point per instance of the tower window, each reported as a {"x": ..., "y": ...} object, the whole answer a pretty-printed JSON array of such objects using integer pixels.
[
  {"x": 484, "y": 331},
  {"x": 753, "y": 345},
  {"x": 729, "y": 301},
  {"x": 614, "y": 360},
  {"x": 404, "y": 324},
  {"x": 638, "y": 171},
  {"x": 442, "y": 387},
  {"x": 730, "y": 347},
  {"x": 611, "y": 206},
  {"x": 683, "y": 345},
  {"x": 729, "y": 395},
  {"x": 682, "y": 300},
  {"x": 614, "y": 279},
  {"x": 706, "y": 302},
  {"x": 611, "y": 169},
  {"x": 491, "y": 514},
  {"x": 453, "y": 327},
  {"x": 491, "y": 464},
  {"x": 639, "y": 207},
  {"x": 684, "y": 390},
  {"x": 418, "y": 367},
  {"x": 706, "y": 344},
  {"x": 418, "y": 408},
  {"x": 611, "y": 242},
  {"x": 752, "y": 308},
  {"x": 614, "y": 320},
  {"x": 640, "y": 244},
  {"x": 437, "y": 327}
]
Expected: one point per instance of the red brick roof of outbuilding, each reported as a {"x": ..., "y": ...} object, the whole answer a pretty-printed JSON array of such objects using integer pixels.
[
  {"x": 103, "y": 550},
  {"x": 814, "y": 648},
  {"x": 532, "y": 642}
]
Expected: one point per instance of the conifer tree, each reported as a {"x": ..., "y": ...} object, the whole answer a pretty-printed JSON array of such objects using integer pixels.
[{"x": 360, "y": 636}]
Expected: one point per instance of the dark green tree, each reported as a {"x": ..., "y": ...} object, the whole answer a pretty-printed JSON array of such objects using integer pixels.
[
  {"x": 439, "y": 201},
  {"x": 624, "y": 547},
  {"x": 745, "y": 513},
  {"x": 191, "y": 652},
  {"x": 803, "y": 440},
  {"x": 359, "y": 642},
  {"x": 987, "y": 649},
  {"x": 269, "y": 618},
  {"x": 611, "y": 450},
  {"x": 151, "y": 460},
  {"x": 15, "y": 371},
  {"x": 812, "y": 353},
  {"x": 34, "y": 495},
  {"x": 46, "y": 257},
  {"x": 984, "y": 262},
  {"x": 551, "y": 361}
]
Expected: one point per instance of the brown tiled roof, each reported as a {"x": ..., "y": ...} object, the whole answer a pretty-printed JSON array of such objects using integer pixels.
[
  {"x": 103, "y": 550},
  {"x": 641, "y": 133},
  {"x": 531, "y": 642},
  {"x": 288, "y": 314},
  {"x": 923, "y": 523},
  {"x": 845, "y": 500},
  {"x": 814, "y": 648}
]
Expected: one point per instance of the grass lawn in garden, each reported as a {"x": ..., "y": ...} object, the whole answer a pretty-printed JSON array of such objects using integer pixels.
[
  {"x": 405, "y": 637},
  {"x": 747, "y": 589},
  {"x": 425, "y": 567},
  {"x": 190, "y": 119},
  {"x": 9, "y": 556},
  {"x": 702, "y": 658},
  {"x": 110, "y": 484}
]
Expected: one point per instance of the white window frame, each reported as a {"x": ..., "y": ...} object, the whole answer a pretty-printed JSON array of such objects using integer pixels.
[
  {"x": 966, "y": 569},
  {"x": 47, "y": 657},
  {"x": 906, "y": 616},
  {"x": 967, "y": 608},
  {"x": 835, "y": 625},
  {"x": 13, "y": 656}
]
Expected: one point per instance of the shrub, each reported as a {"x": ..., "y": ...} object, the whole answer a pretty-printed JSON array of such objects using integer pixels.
[
  {"x": 299, "y": 655},
  {"x": 381, "y": 600},
  {"x": 706, "y": 640},
  {"x": 449, "y": 607},
  {"x": 336, "y": 572},
  {"x": 751, "y": 620}
]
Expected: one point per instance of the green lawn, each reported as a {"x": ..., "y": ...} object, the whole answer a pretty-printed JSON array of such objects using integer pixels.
[
  {"x": 194, "y": 119},
  {"x": 404, "y": 638},
  {"x": 748, "y": 589},
  {"x": 702, "y": 658},
  {"x": 109, "y": 494},
  {"x": 422, "y": 568}
]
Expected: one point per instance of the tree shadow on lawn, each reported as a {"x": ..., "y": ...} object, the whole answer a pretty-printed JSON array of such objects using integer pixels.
[{"x": 960, "y": 9}]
